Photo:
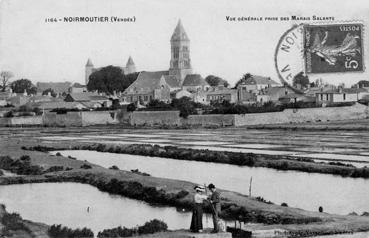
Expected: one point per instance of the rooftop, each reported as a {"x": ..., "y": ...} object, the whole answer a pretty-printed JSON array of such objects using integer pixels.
[{"x": 255, "y": 80}]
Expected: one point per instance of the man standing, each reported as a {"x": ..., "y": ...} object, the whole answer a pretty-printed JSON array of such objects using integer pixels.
[{"x": 215, "y": 203}]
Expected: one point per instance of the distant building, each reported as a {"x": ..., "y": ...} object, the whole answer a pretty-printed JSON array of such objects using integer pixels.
[
  {"x": 128, "y": 69},
  {"x": 194, "y": 82},
  {"x": 225, "y": 94},
  {"x": 48, "y": 106},
  {"x": 339, "y": 95},
  {"x": 57, "y": 87},
  {"x": 256, "y": 83},
  {"x": 296, "y": 97},
  {"x": 18, "y": 100},
  {"x": 149, "y": 86},
  {"x": 160, "y": 84},
  {"x": 90, "y": 100},
  {"x": 77, "y": 88}
]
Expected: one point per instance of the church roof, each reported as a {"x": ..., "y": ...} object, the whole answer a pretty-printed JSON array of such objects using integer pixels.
[
  {"x": 89, "y": 62},
  {"x": 172, "y": 81},
  {"x": 130, "y": 61},
  {"x": 146, "y": 82},
  {"x": 194, "y": 80},
  {"x": 179, "y": 33}
]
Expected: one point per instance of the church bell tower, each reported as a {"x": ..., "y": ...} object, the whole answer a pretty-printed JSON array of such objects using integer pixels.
[{"x": 180, "y": 62}]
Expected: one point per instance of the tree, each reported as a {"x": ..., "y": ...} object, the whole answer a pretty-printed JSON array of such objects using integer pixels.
[
  {"x": 300, "y": 80},
  {"x": 243, "y": 79},
  {"x": 20, "y": 85},
  {"x": 131, "y": 107},
  {"x": 49, "y": 90},
  {"x": 110, "y": 79},
  {"x": 185, "y": 106},
  {"x": 5, "y": 76},
  {"x": 216, "y": 81}
]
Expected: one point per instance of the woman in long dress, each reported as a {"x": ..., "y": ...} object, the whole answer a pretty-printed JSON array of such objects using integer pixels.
[{"x": 197, "y": 211}]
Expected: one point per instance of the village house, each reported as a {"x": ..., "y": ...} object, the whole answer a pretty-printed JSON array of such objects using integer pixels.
[
  {"x": 339, "y": 95},
  {"x": 221, "y": 95},
  {"x": 181, "y": 93},
  {"x": 48, "y": 106},
  {"x": 256, "y": 83},
  {"x": 58, "y": 87},
  {"x": 296, "y": 97},
  {"x": 194, "y": 83},
  {"x": 149, "y": 86},
  {"x": 89, "y": 99},
  {"x": 77, "y": 88}
]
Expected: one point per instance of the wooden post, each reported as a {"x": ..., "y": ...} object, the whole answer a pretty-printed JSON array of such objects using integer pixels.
[{"x": 250, "y": 186}]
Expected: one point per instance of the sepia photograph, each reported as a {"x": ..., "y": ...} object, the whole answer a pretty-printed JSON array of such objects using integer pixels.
[{"x": 184, "y": 119}]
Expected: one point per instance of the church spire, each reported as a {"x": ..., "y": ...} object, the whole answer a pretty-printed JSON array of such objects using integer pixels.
[
  {"x": 180, "y": 62},
  {"x": 179, "y": 33},
  {"x": 89, "y": 62},
  {"x": 130, "y": 61}
]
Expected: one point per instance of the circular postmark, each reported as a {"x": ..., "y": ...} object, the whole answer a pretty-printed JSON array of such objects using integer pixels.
[{"x": 289, "y": 55}]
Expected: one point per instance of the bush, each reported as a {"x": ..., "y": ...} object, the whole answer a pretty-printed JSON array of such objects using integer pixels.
[
  {"x": 9, "y": 114},
  {"x": 86, "y": 166},
  {"x": 261, "y": 199},
  {"x": 13, "y": 221},
  {"x": 58, "y": 154},
  {"x": 20, "y": 166},
  {"x": 284, "y": 204},
  {"x": 114, "y": 167},
  {"x": 71, "y": 157},
  {"x": 54, "y": 169},
  {"x": 59, "y": 231},
  {"x": 150, "y": 227},
  {"x": 25, "y": 158}
]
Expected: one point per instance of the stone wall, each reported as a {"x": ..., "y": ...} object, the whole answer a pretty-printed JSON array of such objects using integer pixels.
[
  {"x": 20, "y": 121},
  {"x": 141, "y": 118},
  {"x": 171, "y": 118},
  {"x": 357, "y": 111},
  {"x": 67, "y": 119},
  {"x": 209, "y": 120},
  {"x": 83, "y": 118},
  {"x": 30, "y": 120},
  {"x": 99, "y": 117}
]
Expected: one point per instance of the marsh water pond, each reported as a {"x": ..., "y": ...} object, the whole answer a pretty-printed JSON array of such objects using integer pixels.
[
  {"x": 298, "y": 189},
  {"x": 79, "y": 205}
]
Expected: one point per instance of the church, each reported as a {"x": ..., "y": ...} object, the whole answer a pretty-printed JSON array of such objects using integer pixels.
[
  {"x": 161, "y": 85},
  {"x": 128, "y": 69}
]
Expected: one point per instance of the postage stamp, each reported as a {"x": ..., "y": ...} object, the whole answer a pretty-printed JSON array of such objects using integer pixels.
[{"x": 333, "y": 48}]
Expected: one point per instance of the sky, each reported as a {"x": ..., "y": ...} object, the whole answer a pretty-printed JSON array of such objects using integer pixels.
[{"x": 44, "y": 51}]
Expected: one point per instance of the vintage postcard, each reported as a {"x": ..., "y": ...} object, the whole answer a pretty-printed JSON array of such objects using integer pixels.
[{"x": 184, "y": 118}]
